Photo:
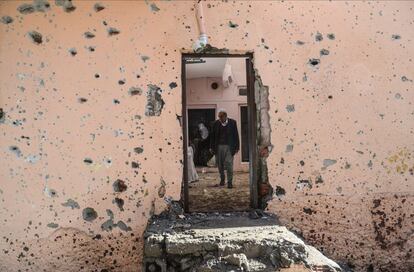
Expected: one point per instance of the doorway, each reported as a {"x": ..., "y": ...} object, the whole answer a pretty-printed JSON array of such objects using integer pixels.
[
  {"x": 219, "y": 128},
  {"x": 199, "y": 122}
]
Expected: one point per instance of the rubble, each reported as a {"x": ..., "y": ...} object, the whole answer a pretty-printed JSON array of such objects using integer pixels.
[{"x": 226, "y": 242}]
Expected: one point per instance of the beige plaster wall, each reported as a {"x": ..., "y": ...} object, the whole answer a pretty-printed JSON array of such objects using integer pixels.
[{"x": 353, "y": 111}]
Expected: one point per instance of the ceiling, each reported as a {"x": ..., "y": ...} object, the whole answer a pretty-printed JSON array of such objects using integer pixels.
[{"x": 213, "y": 67}]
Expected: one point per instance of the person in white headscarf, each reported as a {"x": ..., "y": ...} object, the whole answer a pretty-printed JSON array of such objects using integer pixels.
[
  {"x": 192, "y": 172},
  {"x": 203, "y": 131}
]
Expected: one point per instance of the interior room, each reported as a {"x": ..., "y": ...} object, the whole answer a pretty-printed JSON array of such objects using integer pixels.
[{"x": 214, "y": 85}]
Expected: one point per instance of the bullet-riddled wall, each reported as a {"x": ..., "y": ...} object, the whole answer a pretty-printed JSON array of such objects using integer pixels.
[{"x": 91, "y": 145}]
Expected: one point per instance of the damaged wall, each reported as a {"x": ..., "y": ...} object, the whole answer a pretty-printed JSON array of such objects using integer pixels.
[{"x": 91, "y": 145}]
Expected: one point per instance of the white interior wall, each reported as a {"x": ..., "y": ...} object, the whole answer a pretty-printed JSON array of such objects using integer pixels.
[{"x": 201, "y": 95}]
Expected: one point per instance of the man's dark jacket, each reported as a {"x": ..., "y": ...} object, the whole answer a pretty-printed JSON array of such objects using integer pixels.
[{"x": 233, "y": 134}]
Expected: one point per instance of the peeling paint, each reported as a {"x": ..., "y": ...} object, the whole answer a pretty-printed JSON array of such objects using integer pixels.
[
  {"x": 112, "y": 31},
  {"x": 138, "y": 150},
  {"x": 162, "y": 190},
  {"x": 88, "y": 161},
  {"x": 303, "y": 183},
  {"x": 66, "y": 5},
  {"x": 98, "y": 7},
  {"x": 331, "y": 36},
  {"x": 135, "y": 91},
  {"x": 396, "y": 37},
  {"x": 154, "y": 7},
  {"x": 53, "y": 225},
  {"x": 33, "y": 158},
  {"x": 109, "y": 225},
  {"x": 318, "y": 37},
  {"x": 73, "y": 51},
  {"x": 89, "y": 35},
  {"x": 324, "y": 52},
  {"x": 2, "y": 116},
  {"x": 6, "y": 20},
  {"x": 120, "y": 203},
  {"x": 36, "y": 37},
  {"x": 145, "y": 58},
  {"x": 314, "y": 62},
  {"x": 328, "y": 162},
  {"x": 71, "y": 204},
  {"x": 290, "y": 108},
  {"x": 119, "y": 186},
  {"x": 16, "y": 150},
  {"x": 50, "y": 192},
  {"x": 89, "y": 214},
  {"x": 279, "y": 191},
  {"x": 26, "y": 8},
  {"x": 233, "y": 25},
  {"x": 155, "y": 103}
]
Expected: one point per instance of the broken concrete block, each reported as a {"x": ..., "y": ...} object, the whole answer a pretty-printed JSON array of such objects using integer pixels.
[
  {"x": 154, "y": 246},
  {"x": 183, "y": 244},
  {"x": 187, "y": 245},
  {"x": 154, "y": 265},
  {"x": 239, "y": 260},
  {"x": 186, "y": 263}
]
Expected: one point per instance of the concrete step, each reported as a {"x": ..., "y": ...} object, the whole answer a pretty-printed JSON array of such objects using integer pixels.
[{"x": 228, "y": 242}]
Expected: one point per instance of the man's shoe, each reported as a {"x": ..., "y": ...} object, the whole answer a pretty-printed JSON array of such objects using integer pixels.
[
  {"x": 230, "y": 186},
  {"x": 222, "y": 183}
]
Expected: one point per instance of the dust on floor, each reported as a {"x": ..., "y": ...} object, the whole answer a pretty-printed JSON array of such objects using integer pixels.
[{"x": 206, "y": 196}]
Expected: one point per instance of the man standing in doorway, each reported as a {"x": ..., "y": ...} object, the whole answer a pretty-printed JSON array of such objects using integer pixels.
[{"x": 224, "y": 144}]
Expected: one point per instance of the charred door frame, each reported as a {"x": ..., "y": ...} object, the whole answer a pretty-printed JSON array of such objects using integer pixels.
[{"x": 252, "y": 125}]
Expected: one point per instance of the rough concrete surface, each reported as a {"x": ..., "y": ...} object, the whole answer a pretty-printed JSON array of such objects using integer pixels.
[{"x": 227, "y": 242}]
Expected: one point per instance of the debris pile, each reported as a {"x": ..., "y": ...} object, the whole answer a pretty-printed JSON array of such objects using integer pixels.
[{"x": 246, "y": 241}]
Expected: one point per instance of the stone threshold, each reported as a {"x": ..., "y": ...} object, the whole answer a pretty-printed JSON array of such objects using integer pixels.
[{"x": 242, "y": 241}]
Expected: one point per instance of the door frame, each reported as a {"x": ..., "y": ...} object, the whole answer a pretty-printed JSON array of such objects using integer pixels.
[
  {"x": 252, "y": 115},
  {"x": 241, "y": 142}
]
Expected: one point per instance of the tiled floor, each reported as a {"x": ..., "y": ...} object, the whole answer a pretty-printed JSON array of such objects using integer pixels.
[{"x": 206, "y": 196}]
